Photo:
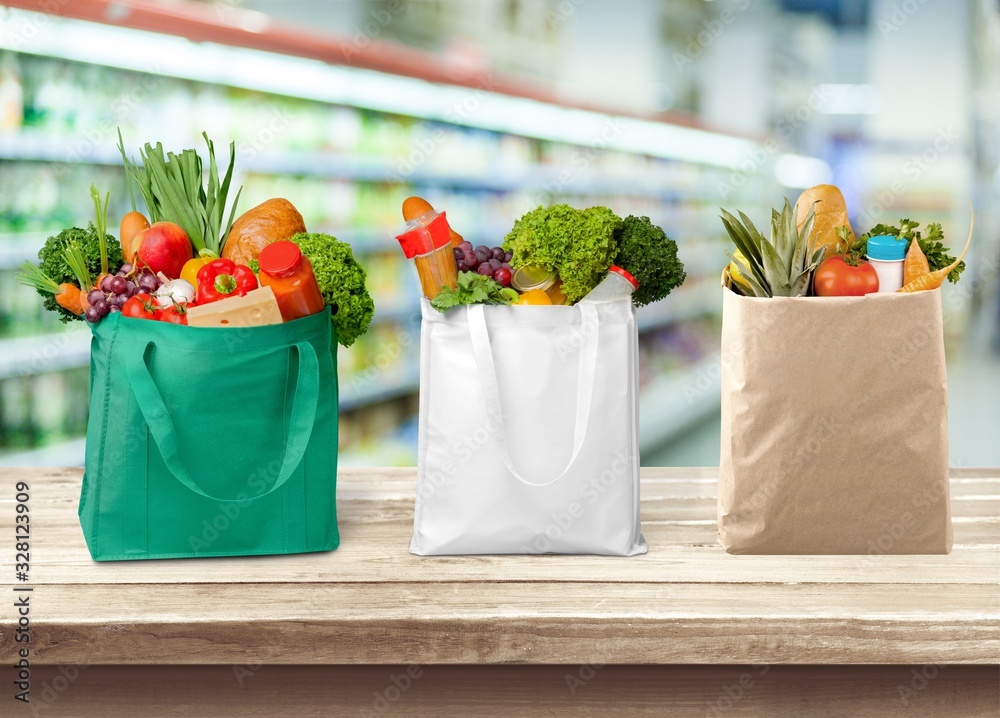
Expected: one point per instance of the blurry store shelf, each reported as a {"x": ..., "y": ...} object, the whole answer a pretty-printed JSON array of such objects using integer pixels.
[
  {"x": 682, "y": 305},
  {"x": 360, "y": 391},
  {"x": 569, "y": 180},
  {"x": 16, "y": 248},
  {"x": 674, "y": 402},
  {"x": 24, "y": 356},
  {"x": 69, "y": 453}
]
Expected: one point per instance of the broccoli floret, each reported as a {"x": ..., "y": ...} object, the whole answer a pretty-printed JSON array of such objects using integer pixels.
[{"x": 648, "y": 254}]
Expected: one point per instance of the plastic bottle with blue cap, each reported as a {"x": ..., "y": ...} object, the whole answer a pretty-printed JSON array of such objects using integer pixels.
[{"x": 886, "y": 254}]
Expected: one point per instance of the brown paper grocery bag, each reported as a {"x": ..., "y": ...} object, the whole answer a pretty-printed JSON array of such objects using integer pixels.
[{"x": 834, "y": 425}]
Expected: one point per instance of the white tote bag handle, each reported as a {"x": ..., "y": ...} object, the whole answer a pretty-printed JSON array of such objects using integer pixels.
[{"x": 491, "y": 392}]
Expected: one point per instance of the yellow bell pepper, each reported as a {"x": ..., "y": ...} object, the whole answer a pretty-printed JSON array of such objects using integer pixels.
[{"x": 190, "y": 269}]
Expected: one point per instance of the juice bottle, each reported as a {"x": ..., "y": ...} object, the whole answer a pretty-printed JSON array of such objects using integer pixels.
[
  {"x": 427, "y": 241},
  {"x": 290, "y": 276}
]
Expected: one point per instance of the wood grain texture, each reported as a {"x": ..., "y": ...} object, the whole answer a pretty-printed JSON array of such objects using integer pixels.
[
  {"x": 686, "y": 601},
  {"x": 428, "y": 691}
]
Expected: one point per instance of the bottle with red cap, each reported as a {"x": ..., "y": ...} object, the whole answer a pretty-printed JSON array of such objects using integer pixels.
[
  {"x": 427, "y": 241},
  {"x": 619, "y": 284},
  {"x": 289, "y": 274}
]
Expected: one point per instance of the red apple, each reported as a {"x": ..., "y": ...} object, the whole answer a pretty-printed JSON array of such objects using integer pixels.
[{"x": 163, "y": 247}]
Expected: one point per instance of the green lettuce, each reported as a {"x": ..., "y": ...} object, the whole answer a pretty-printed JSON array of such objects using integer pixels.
[{"x": 577, "y": 244}]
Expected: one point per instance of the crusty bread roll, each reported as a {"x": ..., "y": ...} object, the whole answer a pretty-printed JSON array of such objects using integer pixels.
[
  {"x": 256, "y": 228},
  {"x": 831, "y": 215}
]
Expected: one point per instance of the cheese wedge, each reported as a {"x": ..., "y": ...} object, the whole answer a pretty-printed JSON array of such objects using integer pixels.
[{"x": 255, "y": 309}]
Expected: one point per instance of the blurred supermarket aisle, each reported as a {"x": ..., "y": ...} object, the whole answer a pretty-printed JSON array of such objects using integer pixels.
[{"x": 794, "y": 92}]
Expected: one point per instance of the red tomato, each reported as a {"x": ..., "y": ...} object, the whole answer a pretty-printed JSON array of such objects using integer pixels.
[
  {"x": 175, "y": 314},
  {"x": 836, "y": 278},
  {"x": 141, "y": 306}
]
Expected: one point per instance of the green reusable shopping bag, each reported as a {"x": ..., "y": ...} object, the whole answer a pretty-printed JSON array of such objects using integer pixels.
[{"x": 210, "y": 441}]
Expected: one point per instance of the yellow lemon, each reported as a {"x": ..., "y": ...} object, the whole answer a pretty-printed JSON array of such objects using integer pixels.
[
  {"x": 534, "y": 297},
  {"x": 734, "y": 269}
]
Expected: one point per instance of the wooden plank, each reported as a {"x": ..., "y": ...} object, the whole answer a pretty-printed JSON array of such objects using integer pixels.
[
  {"x": 455, "y": 623},
  {"x": 428, "y": 691}
]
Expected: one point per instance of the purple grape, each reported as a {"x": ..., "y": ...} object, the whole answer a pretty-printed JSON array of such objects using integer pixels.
[
  {"x": 494, "y": 265},
  {"x": 117, "y": 300},
  {"x": 463, "y": 266},
  {"x": 508, "y": 256},
  {"x": 471, "y": 259},
  {"x": 485, "y": 270},
  {"x": 129, "y": 288},
  {"x": 92, "y": 315},
  {"x": 94, "y": 295},
  {"x": 459, "y": 254},
  {"x": 126, "y": 269},
  {"x": 465, "y": 246},
  {"x": 101, "y": 306},
  {"x": 118, "y": 285},
  {"x": 505, "y": 265},
  {"x": 149, "y": 283},
  {"x": 113, "y": 309},
  {"x": 482, "y": 254},
  {"x": 105, "y": 285},
  {"x": 497, "y": 253}
]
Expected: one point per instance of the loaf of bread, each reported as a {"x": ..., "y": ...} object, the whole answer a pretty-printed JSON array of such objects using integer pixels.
[
  {"x": 256, "y": 228},
  {"x": 831, "y": 215}
]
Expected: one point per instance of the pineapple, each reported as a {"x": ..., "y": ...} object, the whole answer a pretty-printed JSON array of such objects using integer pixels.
[{"x": 781, "y": 267}]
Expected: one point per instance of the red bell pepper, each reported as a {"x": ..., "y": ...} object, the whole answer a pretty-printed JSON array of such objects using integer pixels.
[{"x": 223, "y": 278}]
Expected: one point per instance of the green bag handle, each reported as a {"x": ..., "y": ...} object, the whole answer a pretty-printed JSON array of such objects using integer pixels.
[{"x": 300, "y": 424}]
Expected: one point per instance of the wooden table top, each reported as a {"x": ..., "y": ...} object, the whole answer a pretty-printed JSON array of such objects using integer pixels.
[{"x": 685, "y": 602}]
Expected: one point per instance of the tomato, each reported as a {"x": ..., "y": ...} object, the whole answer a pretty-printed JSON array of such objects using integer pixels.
[
  {"x": 141, "y": 306},
  {"x": 836, "y": 278},
  {"x": 174, "y": 314}
]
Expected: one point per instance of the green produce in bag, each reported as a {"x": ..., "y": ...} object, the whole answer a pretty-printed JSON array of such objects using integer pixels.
[{"x": 210, "y": 441}]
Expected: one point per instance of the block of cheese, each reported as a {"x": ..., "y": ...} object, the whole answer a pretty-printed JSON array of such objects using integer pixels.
[{"x": 255, "y": 309}]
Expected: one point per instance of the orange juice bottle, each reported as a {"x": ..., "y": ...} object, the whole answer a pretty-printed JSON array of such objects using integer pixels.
[{"x": 289, "y": 274}]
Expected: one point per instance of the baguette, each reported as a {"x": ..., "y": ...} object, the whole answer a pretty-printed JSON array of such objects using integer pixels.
[{"x": 831, "y": 215}]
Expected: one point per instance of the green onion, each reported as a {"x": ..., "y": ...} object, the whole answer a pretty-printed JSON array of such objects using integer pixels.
[
  {"x": 174, "y": 190},
  {"x": 32, "y": 276},
  {"x": 78, "y": 264},
  {"x": 101, "y": 224}
]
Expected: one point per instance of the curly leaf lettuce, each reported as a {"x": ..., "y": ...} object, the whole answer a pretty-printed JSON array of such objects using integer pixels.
[
  {"x": 341, "y": 281},
  {"x": 578, "y": 245}
]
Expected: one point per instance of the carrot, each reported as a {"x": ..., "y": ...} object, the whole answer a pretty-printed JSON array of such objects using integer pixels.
[
  {"x": 132, "y": 224},
  {"x": 72, "y": 299},
  {"x": 67, "y": 296},
  {"x": 933, "y": 280},
  {"x": 414, "y": 207},
  {"x": 916, "y": 264}
]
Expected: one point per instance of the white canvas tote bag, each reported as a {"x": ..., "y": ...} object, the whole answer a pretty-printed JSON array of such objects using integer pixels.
[{"x": 528, "y": 431}]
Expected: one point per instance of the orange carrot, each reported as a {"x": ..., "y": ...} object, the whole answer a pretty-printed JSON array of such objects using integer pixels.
[
  {"x": 916, "y": 264},
  {"x": 933, "y": 280},
  {"x": 132, "y": 224},
  {"x": 71, "y": 298},
  {"x": 66, "y": 295},
  {"x": 414, "y": 207}
]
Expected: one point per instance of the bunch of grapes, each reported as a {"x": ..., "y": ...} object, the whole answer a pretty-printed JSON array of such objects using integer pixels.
[
  {"x": 114, "y": 291},
  {"x": 484, "y": 260}
]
